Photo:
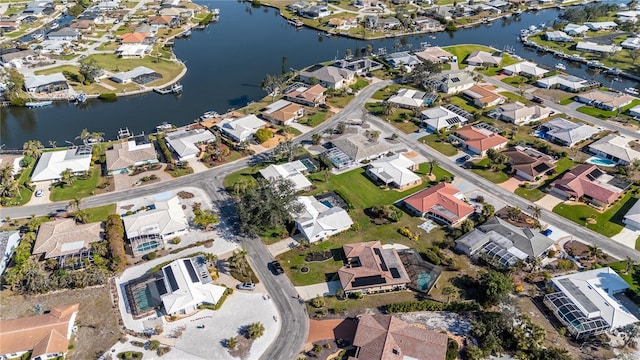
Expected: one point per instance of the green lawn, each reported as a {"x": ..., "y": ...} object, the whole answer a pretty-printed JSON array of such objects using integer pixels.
[
  {"x": 603, "y": 114},
  {"x": 246, "y": 173},
  {"x": 339, "y": 101},
  {"x": 111, "y": 62},
  {"x": 315, "y": 118},
  {"x": 439, "y": 144},
  {"x": 607, "y": 223},
  {"x": 536, "y": 194},
  {"x": 100, "y": 213},
  {"x": 402, "y": 119},
  {"x": 515, "y": 80},
  {"x": 360, "y": 84},
  {"x": 496, "y": 177},
  {"x": 462, "y": 51},
  {"x": 566, "y": 101},
  {"x": 530, "y": 194},
  {"x": 386, "y": 92},
  {"x": 619, "y": 267},
  {"x": 516, "y": 98},
  {"x": 79, "y": 189}
]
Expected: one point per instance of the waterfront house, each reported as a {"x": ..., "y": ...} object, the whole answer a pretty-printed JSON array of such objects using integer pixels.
[
  {"x": 9, "y": 240},
  {"x": 525, "y": 68},
  {"x": 631, "y": 219},
  {"x": 403, "y": 60},
  {"x": 138, "y": 75},
  {"x": 186, "y": 143},
  {"x": 148, "y": 229},
  {"x": 630, "y": 16},
  {"x": 454, "y": 82},
  {"x": 283, "y": 112},
  {"x": 9, "y": 26},
  {"x": 519, "y": 114},
  {"x": 591, "y": 302},
  {"x": 52, "y": 163},
  {"x": 586, "y": 182},
  {"x": 137, "y": 151},
  {"x": 67, "y": 241},
  {"x": 360, "y": 66},
  {"x": 434, "y": 54},
  {"x": 557, "y": 36},
  {"x": 528, "y": 163},
  {"x": 396, "y": 171},
  {"x": 343, "y": 24},
  {"x": 136, "y": 38},
  {"x": 82, "y": 25},
  {"x": 133, "y": 51},
  {"x": 307, "y": 95},
  {"x": 358, "y": 148},
  {"x": 177, "y": 12},
  {"x": 16, "y": 58},
  {"x": 483, "y": 96},
  {"x": 317, "y": 220},
  {"x": 602, "y": 25},
  {"x": 483, "y": 58},
  {"x": 438, "y": 118},
  {"x": 592, "y": 47},
  {"x": 567, "y": 83},
  {"x": 38, "y": 337},
  {"x": 316, "y": 12},
  {"x": 605, "y": 100},
  {"x": 631, "y": 43},
  {"x": 423, "y": 23},
  {"x": 369, "y": 268},
  {"x": 441, "y": 202},
  {"x": 389, "y": 23},
  {"x": 293, "y": 171},
  {"x": 411, "y": 99},
  {"x": 575, "y": 29},
  {"x": 163, "y": 21},
  {"x": 478, "y": 140},
  {"x": 240, "y": 129},
  {"x": 635, "y": 111},
  {"x": 65, "y": 33},
  {"x": 617, "y": 148},
  {"x": 45, "y": 83},
  {"x": 565, "y": 132},
  {"x": 328, "y": 76},
  {"x": 386, "y": 337},
  {"x": 503, "y": 244}
]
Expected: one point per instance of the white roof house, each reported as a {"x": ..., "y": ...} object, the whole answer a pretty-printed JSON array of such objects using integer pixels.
[
  {"x": 575, "y": 29},
  {"x": 441, "y": 118},
  {"x": 557, "y": 36},
  {"x": 166, "y": 220},
  {"x": 133, "y": 50},
  {"x": 631, "y": 43},
  {"x": 635, "y": 111},
  {"x": 402, "y": 59},
  {"x": 185, "y": 142},
  {"x": 566, "y": 82},
  {"x": 593, "y": 47},
  {"x": 409, "y": 98},
  {"x": 293, "y": 171},
  {"x": 591, "y": 302},
  {"x": 616, "y": 148},
  {"x": 601, "y": 25},
  {"x": 480, "y": 58},
  {"x": 52, "y": 163},
  {"x": 567, "y": 133},
  {"x": 632, "y": 218},
  {"x": 519, "y": 114},
  {"x": 9, "y": 240},
  {"x": 33, "y": 82},
  {"x": 124, "y": 77},
  {"x": 394, "y": 170},
  {"x": 318, "y": 221},
  {"x": 525, "y": 68},
  {"x": 188, "y": 284},
  {"x": 241, "y": 129}
]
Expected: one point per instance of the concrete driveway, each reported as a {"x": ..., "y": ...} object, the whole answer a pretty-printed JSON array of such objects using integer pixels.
[
  {"x": 310, "y": 291},
  {"x": 627, "y": 237},
  {"x": 549, "y": 202},
  {"x": 512, "y": 184},
  {"x": 44, "y": 199},
  {"x": 282, "y": 246}
]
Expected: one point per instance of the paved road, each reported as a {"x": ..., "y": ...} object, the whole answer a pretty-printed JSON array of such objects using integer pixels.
[{"x": 573, "y": 113}]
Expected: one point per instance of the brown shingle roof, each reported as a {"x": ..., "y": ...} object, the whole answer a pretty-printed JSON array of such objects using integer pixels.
[
  {"x": 64, "y": 236},
  {"x": 163, "y": 20},
  {"x": 120, "y": 157},
  {"x": 386, "y": 337},
  {"x": 440, "y": 200},
  {"x": 484, "y": 94},
  {"x": 480, "y": 139},
  {"x": 285, "y": 113},
  {"x": 528, "y": 164}
]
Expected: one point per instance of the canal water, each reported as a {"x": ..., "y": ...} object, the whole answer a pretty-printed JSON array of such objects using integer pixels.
[{"x": 228, "y": 60}]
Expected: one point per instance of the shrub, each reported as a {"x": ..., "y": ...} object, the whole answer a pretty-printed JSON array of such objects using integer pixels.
[
  {"x": 151, "y": 255},
  {"x": 162, "y": 144},
  {"x": 163, "y": 350},
  {"x": 154, "y": 344},
  {"x": 452, "y": 349},
  {"x": 429, "y": 305},
  {"x": 114, "y": 234},
  {"x": 108, "y": 96},
  {"x": 317, "y": 302},
  {"x": 263, "y": 135},
  {"x": 176, "y": 240}
]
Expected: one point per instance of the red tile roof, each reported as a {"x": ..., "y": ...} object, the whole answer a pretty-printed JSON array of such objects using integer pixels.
[
  {"x": 164, "y": 20},
  {"x": 484, "y": 94},
  {"x": 440, "y": 200},
  {"x": 385, "y": 337},
  {"x": 480, "y": 139},
  {"x": 132, "y": 38},
  {"x": 580, "y": 181}
]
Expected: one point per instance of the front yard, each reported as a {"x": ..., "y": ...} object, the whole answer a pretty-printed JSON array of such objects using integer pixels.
[
  {"x": 79, "y": 188},
  {"x": 403, "y": 119},
  {"x": 604, "y": 114},
  {"x": 440, "y": 144},
  {"x": 496, "y": 176}
]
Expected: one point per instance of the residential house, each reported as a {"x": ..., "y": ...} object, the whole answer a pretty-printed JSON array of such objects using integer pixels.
[
  {"x": 586, "y": 181},
  {"x": 605, "y": 100},
  {"x": 617, "y": 148},
  {"x": 402, "y": 59},
  {"x": 520, "y": 114},
  {"x": 396, "y": 171},
  {"x": 82, "y": 25},
  {"x": 359, "y": 66},
  {"x": 567, "y": 83},
  {"x": 149, "y": 229},
  {"x": 317, "y": 220},
  {"x": 65, "y": 33},
  {"x": 591, "y": 302},
  {"x": 411, "y": 99},
  {"x": 483, "y": 58},
  {"x": 525, "y": 68},
  {"x": 630, "y": 16},
  {"x": 592, "y": 47},
  {"x": 434, "y": 54},
  {"x": 381, "y": 337},
  {"x": 478, "y": 140},
  {"x": 602, "y": 25},
  {"x": 631, "y": 219},
  {"x": 483, "y": 96},
  {"x": 565, "y": 132},
  {"x": 240, "y": 129},
  {"x": 187, "y": 285},
  {"x": 503, "y": 244},
  {"x": 51, "y": 164},
  {"x": 9, "y": 240},
  {"x": 283, "y": 112},
  {"x": 631, "y": 43},
  {"x": 454, "y": 82},
  {"x": 328, "y": 76},
  {"x": 137, "y": 75},
  {"x": 45, "y": 83},
  {"x": 441, "y": 202},
  {"x": 343, "y": 24},
  {"x": 293, "y": 171},
  {"x": 136, "y": 38},
  {"x": 54, "y": 46},
  {"x": 45, "y": 336},
  {"x": 67, "y": 241},
  {"x": 9, "y": 26},
  {"x": 137, "y": 151},
  {"x": 15, "y": 57},
  {"x": 133, "y": 51},
  {"x": 440, "y": 117},
  {"x": 529, "y": 164},
  {"x": 427, "y": 24},
  {"x": 316, "y": 12},
  {"x": 307, "y": 95},
  {"x": 575, "y": 29},
  {"x": 186, "y": 143},
  {"x": 389, "y": 23},
  {"x": 557, "y": 36},
  {"x": 352, "y": 149},
  {"x": 177, "y": 12},
  {"x": 163, "y": 21},
  {"x": 499, "y": 4},
  {"x": 635, "y": 111},
  {"x": 370, "y": 268}
]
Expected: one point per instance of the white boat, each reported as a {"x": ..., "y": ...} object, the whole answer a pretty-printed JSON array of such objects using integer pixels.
[
  {"x": 594, "y": 63},
  {"x": 518, "y": 12},
  {"x": 38, "y": 104},
  {"x": 561, "y": 66},
  {"x": 54, "y": 26},
  {"x": 163, "y": 127},
  {"x": 37, "y": 36},
  {"x": 533, "y": 28},
  {"x": 632, "y": 91},
  {"x": 215, "y": 12}
]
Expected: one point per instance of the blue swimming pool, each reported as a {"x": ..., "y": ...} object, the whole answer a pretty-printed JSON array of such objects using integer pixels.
[
  {"x": 540, "y": 134},
  {"x": 327, "y": 203},
  {"x": 424, "y": 281},
  {"x": 596, "y": 160}
]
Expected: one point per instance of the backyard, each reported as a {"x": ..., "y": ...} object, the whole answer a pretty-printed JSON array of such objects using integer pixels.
[
  {"x": 462, "y": 51},
  {"x": 168, "y": 69}
]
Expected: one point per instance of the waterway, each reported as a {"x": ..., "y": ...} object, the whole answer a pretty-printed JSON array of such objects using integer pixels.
[{"x": 228, "y": 60}]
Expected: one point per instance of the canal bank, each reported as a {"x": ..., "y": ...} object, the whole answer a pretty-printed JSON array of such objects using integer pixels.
[{"x": 228, "y": 60}]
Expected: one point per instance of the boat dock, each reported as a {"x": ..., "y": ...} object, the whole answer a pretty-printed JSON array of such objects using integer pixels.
[{"x": 173, "y": 89}]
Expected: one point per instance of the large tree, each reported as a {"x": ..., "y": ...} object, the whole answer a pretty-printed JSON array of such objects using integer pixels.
[
  {"x": 90, "y": 70},
  {"x": 273, "y": 84},
  {"x": 423, "y": 71},
  {"x": 493, "y": 287},
  {"x": 286, "y": 150},
  {"x": 32, "y": 148}
]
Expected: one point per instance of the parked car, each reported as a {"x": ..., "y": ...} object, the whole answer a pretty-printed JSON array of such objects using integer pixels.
[
  {"x": 39, "y": 193},
  {"x": 537, "y": 100},
  {"x": 276, "y": 268},
  {"x": 246, "y": 286},
  {"x": 463, "y": 159}
]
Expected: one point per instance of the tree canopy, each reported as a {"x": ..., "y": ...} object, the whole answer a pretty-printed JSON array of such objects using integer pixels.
[{"x": 493, "y": 287}]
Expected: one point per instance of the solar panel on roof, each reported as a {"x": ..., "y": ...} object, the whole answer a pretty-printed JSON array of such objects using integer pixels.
[
  {"x": 368, "y": 281},
  {"x": 383, "y": 265},
  {"x": 171, "y": 278},
  {"x": 162, "y": 288},
  {"x": 191, "y": 271},
  {"x": 455, "y": 80},
  {"x": 394, "y": 273}
]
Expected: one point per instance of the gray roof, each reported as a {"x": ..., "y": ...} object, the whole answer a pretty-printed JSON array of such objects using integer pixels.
[
  {"x": 4, "y": 240},
  {"x": 328, "y": 74},
  {"x": 34, "y": 81},
  {"x": 184, "y": 142},
  {"x": 133, "y": 73},
  {"x": 12, "y": 55},
  {"x": 455, "y": 79},
  {"x": 569, "y": 132},
  {"x": 526, "y": 240},
  {"x": 65, "y": 31},
  {"x": 358, "y": 147}
]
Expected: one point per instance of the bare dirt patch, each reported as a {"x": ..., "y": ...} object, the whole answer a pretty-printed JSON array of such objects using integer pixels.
[{"x": 97, "y": 323}]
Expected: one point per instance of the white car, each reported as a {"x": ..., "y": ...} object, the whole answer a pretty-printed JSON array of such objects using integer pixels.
[{"x": 39, "y": 193}]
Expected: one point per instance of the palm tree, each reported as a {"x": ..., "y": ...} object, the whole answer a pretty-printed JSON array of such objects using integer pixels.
[
  {"x": 536, "y": 211},
  {"x": 432, "y": 164},
  {"x": 66, "y": 177},
  {"x": 448, "y": 291},
  {"x": 316, "y": 138},
  {"x": 81, "y": 216},
  {"x": 256, "y": 330},
  {"x": 32, "y": 148},
  {"x": 97, "y": 136},
  {"x": 629, "y": 264},
  {"x": 388, "y": 108},
  {"x": 74, "y": 204},
  {"x": 595, "y": 252},
  {"x": 84, "y": 135}
]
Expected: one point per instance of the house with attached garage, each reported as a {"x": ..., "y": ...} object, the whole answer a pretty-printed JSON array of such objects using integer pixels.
[
  {"x": 186, "y": 143},
  {"x": 442, "y": 203},
  {"x": 567, "y": 83},
  {"x": 354, "y": 149},
  {"x": 307, "y": 95},
  {"x": 575, "y": 29},
  {"x": 618, "y": 148},
  {"x": 602, "y": 25},
  {"x": 519, "y": 114},
  {"x": 478, "y": 140},
  {"x": 525, "y": 68},
  {"x": 360, "y": 66},
  {"x": 240, "y": 129},
  {"x": 318, "y": 220},
  {"x": 438, "y": 118},
  {"x": 45, "y": 83},
  {"x": 293, "y": 171},
  {"x": 483, "y": 96},
  {"x": 434, "y": 54},
  {"x": 65, "y": 33},
  {"x": 411, "y": 99},
  {"x": 454, "y": 82},
  {"x": 328, "y": 76},
  {"x": 557, "y": 36},
  {"x": 396, "y": 171},
  {"x": 402, "y": 59},
  {"x": 51, "y": 164},
  {"x": 15, "y": 57},
  {"x": 592, "y": 47},
  {"x": 283, "y": 112},
  {"x": 565, "y": 132},
  {"x": 136, "y": 75},
  {"x": 631, "y": 43},
  {"x": 122, "y": 156},
  {"x": 483, "y": 58},
  {"x": 605, "y": 100},
  {"x": 528, "y": 163},
  {"x": 591, "y": 184},
  {"x": 66, "y": 241}
]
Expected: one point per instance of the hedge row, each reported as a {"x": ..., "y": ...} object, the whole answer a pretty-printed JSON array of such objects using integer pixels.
[
  {"x": 114, "y": 233},
  {"x": 427, "y": 305},
  {"x": 168, "y": 156}
]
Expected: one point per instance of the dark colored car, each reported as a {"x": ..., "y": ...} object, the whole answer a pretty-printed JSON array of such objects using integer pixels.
[
  {"x": 537, "y": 100},
  {"x": 276, "y": 268},
  {"x": 463, "y": 159}
]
